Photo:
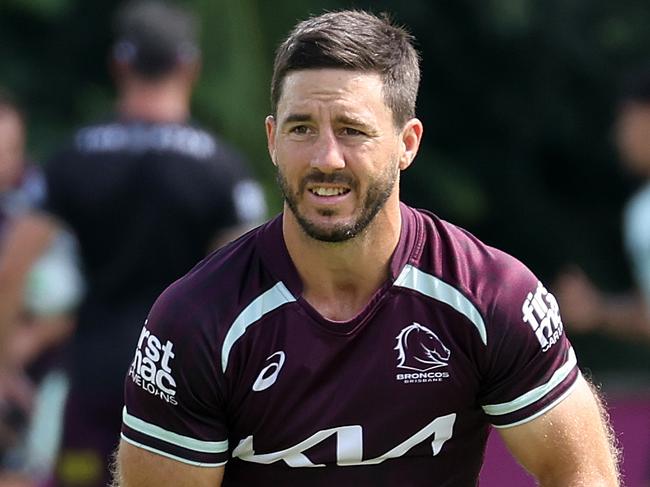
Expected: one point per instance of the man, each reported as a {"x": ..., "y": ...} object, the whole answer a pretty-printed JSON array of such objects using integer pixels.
[
  {"x": 148, "y": 195},
  {"x": 586, "y": 307},
  {"x": 22, "y": 188},
  {"x": 354, "y": 340},
  {"x": 54, "y": 285},
  {"x": 52, "y": 293}
]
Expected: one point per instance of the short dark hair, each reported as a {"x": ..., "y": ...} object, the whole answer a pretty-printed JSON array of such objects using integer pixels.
[
  {"x": 354, "y": 40},
  {"x": 154, "y": 37},
  {"x": 635, "y": 86}
]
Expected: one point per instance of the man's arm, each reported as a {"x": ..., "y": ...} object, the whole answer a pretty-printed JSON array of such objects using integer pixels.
[
  {"x": 586, "y": 308},
  {"x": 247, "y": 209},
  {"x": 569, "y": 446},
  {"x": 27, "y": 239},
  {"x": 136, "y": 467}
]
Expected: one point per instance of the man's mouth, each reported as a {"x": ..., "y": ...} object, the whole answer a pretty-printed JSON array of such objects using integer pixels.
[{"x": 329, "y": 191}]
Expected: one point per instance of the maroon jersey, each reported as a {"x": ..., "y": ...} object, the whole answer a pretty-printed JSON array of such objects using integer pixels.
[{"x": 234, "y": 366}]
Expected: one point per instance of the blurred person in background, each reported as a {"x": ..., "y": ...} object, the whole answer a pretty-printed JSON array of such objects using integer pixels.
[
  {"x": 30, "y": 377},
  {"x": 148, "y": 194},
  {"x": 586, "y": 307}
]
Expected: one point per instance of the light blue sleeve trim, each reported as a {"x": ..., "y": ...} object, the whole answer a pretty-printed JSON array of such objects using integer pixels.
[
  {"x": 536, "y": 394},
  {"x": 540, "y": 412},
  {"x": 413, "y": 278},
  {"x": 169, "y": 455},
  {"x": 173, "y": 438},
  {"x": 263, "y": 304}
]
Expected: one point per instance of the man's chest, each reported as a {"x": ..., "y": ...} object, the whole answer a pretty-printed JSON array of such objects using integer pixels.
[{"x": 306, "y": 393}]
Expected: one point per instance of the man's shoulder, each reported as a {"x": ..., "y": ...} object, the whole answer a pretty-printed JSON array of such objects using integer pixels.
[
  {"x": 124, "y": 148},
  {"x": 458, "y": 254},
  {"x": 137, "y": 137},
  {"x": 185, "y": 147},
  {"x": 220, "y": 285},
  {"x": 500, "y": 294},
  {"x": 494, "y": 281}
]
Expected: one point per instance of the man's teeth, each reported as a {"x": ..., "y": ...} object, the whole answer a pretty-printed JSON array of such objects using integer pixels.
[{"x": 329, "y": 191}]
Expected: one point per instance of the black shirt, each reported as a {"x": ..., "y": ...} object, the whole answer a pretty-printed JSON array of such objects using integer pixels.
[{"x": 145, "y": 201}]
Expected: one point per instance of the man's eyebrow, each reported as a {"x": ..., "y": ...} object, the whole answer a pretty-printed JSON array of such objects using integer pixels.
[
  {"x": 348, "y": 120},
  {"x": 296, "y": 117},
  {"x": 342, "y": 119}
]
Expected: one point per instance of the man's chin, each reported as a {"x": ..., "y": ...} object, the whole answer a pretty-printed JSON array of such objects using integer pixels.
[{"x": 332, "y": 232}]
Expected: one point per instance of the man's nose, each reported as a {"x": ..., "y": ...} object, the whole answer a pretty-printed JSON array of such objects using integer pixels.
[{"x": 327, "y": 155}]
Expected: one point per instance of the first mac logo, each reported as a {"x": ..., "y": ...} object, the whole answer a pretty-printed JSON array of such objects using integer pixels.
[{"x": 150, "y": 368}]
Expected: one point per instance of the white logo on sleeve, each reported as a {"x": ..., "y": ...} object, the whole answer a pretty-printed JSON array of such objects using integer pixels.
[
  {"x": 269, "y": 374},
  {"x": 151, "y": 369},
  {"x": 541, "y": 311}
]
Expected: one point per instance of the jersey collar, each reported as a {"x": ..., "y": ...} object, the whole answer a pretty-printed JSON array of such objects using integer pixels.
[{"x": 277, "y": 260}]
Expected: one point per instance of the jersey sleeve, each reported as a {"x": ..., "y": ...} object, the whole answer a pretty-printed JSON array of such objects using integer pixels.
[
  {"x": 530, "y": 365},
  {"x": 173, "y": 403}
]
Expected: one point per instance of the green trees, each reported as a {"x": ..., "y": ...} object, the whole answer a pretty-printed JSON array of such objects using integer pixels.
[{"x": 517, "y": 100}]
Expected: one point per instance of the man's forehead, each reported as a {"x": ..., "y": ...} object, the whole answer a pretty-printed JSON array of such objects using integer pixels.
[
  {"x": 329, "y": 83},
  {"x": 347, "y": 92}
]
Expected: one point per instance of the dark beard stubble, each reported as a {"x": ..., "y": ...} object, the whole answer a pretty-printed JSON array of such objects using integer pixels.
[{"x": 378, "y": 193}]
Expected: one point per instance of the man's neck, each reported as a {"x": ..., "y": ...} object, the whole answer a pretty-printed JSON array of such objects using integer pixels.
[
  {"x": 340, "y": 279},
  {"x": 154, "y": 103}
]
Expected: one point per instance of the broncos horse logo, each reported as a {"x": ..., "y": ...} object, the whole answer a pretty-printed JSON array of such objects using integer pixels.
[{"x": 420, "y": 349}]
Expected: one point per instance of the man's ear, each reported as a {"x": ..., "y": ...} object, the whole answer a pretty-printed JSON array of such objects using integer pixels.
[
  {"x": 411, "y": 136},
  {"x": 271, "y": 128}
]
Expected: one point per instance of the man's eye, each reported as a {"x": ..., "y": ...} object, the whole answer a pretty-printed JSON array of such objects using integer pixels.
[
  {"x": 299, "y": 130},
  {"x": 351, "y": 131}
]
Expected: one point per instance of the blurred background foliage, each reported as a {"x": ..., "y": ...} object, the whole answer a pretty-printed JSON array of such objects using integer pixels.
[{"x": 517, "y": 99}]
